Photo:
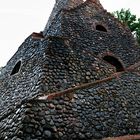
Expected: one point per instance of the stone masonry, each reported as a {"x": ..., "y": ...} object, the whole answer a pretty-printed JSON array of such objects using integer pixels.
[{"x": 79, "y": 78}]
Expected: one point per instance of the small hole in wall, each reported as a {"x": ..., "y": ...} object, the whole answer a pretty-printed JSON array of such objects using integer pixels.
[
  {"x": 101, "y": 28},
  {"x": 16, "y": 68},
  {"x": 115, "y": 62}
]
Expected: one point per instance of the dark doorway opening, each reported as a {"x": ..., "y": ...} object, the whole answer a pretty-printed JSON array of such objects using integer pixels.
[
  {"x": 101, "y": 28},
  {"x": 115, "y": 62},
  {"x": 16, "y": 68}
]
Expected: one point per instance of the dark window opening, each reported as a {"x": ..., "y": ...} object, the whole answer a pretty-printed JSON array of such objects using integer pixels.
[
  {"x": 16, "y": 68},
  {"x": 115, "y": 62},
  {"x": 101, "y": 28}
]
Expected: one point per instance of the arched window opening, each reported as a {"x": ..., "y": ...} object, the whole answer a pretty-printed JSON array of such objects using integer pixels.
[
  {"x": 101, "y": 28},
  {"x": 115, "y": 62},
  {"x": 16, "y": 68}
]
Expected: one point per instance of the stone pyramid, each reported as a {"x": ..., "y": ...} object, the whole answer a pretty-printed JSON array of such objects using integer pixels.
[{"x": 79, "y": 78}]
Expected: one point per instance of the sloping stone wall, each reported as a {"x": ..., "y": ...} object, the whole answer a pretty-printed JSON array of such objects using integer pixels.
[
  {"x": 69, "y": 55},
  {"x": 92, "y": 113}
]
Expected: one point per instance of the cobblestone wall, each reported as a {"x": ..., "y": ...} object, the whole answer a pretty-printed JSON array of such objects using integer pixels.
[{"x": 70, "y": 56}]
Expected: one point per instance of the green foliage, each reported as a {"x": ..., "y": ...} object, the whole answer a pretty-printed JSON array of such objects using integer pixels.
[{"x": 126, "y": 17}]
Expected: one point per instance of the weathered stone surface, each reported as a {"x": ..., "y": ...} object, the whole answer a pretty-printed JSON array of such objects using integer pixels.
[
  {"x": 85, "y": 52},
  {"x": 47, "y": 134}
]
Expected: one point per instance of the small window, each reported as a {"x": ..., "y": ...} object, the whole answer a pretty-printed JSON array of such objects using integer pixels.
[
  {"x": 101, "y": 28},
  {"x": 16, "y": 68},
  {"x": 115, "y": 62}
]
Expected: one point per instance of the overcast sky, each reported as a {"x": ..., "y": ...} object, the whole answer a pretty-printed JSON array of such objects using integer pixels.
[{"x": 19, "y": 18}]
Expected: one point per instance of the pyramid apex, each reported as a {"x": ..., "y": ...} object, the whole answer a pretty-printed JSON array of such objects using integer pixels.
[
  {"x": 68, "y": 5},
  {"x": 60, "y": 5},
  {"x": 97, "y": 2}
]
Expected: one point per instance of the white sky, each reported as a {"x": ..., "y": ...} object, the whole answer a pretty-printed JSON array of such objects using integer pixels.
[{"x": 19, "y": 18}]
